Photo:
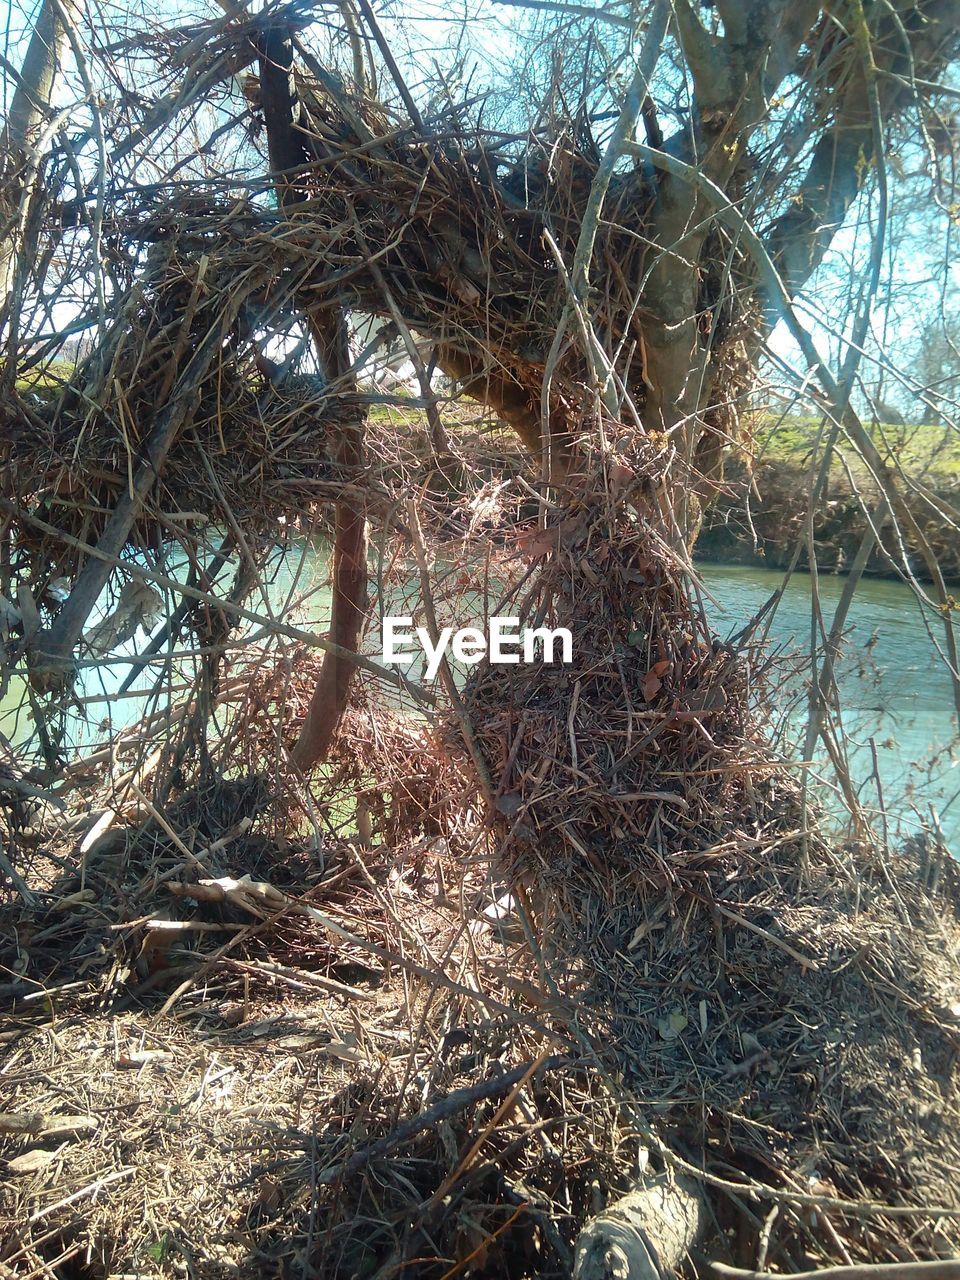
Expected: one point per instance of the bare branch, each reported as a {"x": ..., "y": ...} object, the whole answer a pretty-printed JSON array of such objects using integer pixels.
[{"x": 574, "y": 10}]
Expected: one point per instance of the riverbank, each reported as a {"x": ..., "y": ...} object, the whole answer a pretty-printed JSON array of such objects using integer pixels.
[
  {"x": 258, "y": 1030},
  {"x": 760, "y": 516}
]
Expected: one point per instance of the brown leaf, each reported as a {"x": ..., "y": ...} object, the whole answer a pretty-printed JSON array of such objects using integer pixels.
[
  {"x": 537, "y": 543},
  {"x": 571, "y": 530},
  {"x": 622, "y": 476},
  {"x": 270, "y": 1193},
  {"x": 652, "y": 682}
]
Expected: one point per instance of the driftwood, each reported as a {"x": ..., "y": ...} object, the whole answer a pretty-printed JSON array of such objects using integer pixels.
[
  {"x": 643, "y": 1236},
  {"x": 34, "y": 1124}
]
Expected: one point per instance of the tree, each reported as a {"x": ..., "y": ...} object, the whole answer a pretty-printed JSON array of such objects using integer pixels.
[
  {"x": 602, "y": 265},
  {"x": 23, "y": 142},
  {"x": 652, "y": 273},
  {"x": 937, "y": 372},
  {"x": 636, "y": 281}
]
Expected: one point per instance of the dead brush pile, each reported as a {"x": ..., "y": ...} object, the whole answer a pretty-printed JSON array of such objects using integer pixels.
[
  {"x": 367, "y": 1026},
  {"x": 631, "y": 761},
  {"x": 257, "y": 1031},
  {"x": 171, "y": 432},
  {"x": 781, "y": 1012},
  {"x": 274, "y": 1050},
  {"x": 173, "y": 394}
]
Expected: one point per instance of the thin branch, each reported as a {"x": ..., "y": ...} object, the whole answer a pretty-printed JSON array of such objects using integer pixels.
[
  {"x": 574, "y": 10},
  {"x": 390, "y": 60},
  {"x": 270, "y": 626},
  {"x": 451, "y": 1105}
]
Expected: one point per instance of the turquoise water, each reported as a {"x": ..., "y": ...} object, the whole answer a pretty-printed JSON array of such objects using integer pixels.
[
  {"x": 896, "y": 690},
  {"x": 895, "y": 686}
]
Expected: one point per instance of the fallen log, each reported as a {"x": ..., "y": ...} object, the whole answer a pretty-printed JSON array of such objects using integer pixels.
[{"x": 646, "y": 1235}]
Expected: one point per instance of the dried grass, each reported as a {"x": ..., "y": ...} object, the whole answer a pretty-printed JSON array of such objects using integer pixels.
[
  {"x": 295, "y": 1038},
  {"x": 691, "y": 985}
]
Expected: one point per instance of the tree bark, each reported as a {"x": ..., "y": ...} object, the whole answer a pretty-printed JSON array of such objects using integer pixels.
[
  {"x": 844, "y": 155},
  {"x": 349, "y": 578},
  {"x": 287, "y": 148},
  {"x": 644, "y": 1236},
  {"x": 32, "y": 100}
]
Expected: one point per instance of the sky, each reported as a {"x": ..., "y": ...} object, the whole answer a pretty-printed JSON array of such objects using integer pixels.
[{"x": 489, "y": 45}]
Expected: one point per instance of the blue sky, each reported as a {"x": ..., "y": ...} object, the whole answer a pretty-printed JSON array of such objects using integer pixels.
[{"x": 425, "y": 28}]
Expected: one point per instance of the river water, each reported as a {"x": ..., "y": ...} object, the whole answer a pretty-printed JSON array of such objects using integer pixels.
[
  {"x": 896, "y": 691},
  {"x": 895, "y": 686}
]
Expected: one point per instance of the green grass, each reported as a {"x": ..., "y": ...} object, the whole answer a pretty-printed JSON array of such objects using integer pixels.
[
  {"x": 46, "y": 380},
  {"x": 930, "y": 453}
]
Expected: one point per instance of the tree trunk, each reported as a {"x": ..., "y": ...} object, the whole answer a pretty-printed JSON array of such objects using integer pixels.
[
  {"x": 285, "y": 139},
  {"x": 32, "y": 100},
  {"x": 349, "y": 604}
]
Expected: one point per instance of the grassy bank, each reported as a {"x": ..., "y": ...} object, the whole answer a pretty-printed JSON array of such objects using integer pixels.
[
  {"x": 760, "y": 515},
  {"x": 924, "y": 451}
]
